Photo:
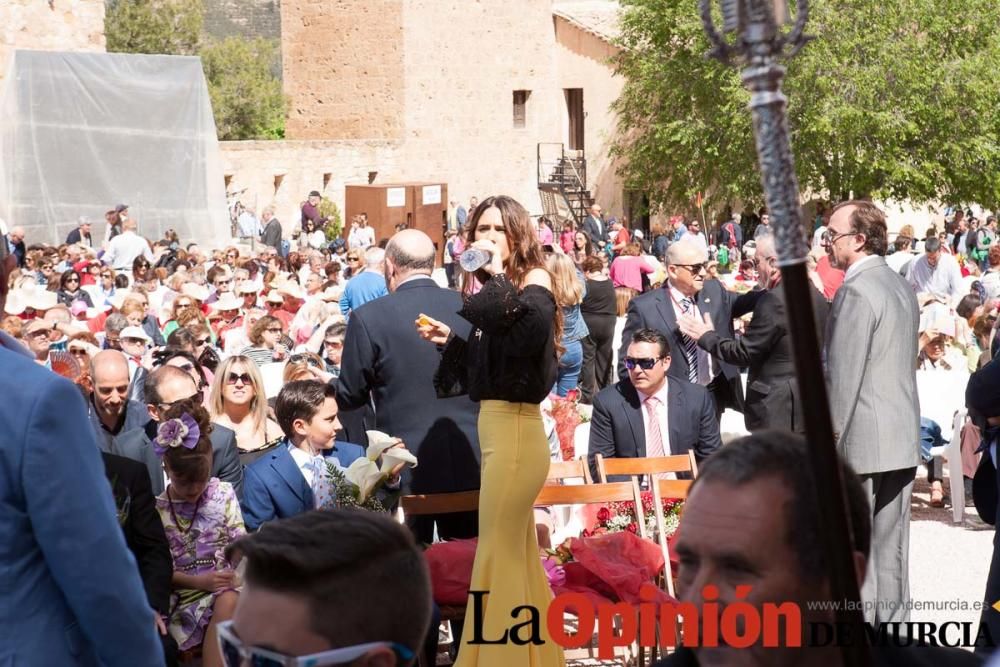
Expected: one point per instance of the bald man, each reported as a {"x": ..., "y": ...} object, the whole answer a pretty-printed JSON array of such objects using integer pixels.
[
  {"x": 386, "y": 362},
  {"x": 772, "y": 399},
  {"x": 110, "y": 410}
]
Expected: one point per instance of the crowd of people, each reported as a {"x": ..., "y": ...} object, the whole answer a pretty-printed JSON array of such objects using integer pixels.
[{"x": 219, "y": 384}]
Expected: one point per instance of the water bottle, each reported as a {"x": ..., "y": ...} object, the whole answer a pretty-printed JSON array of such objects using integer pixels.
[{"x": 474, "y": 259}]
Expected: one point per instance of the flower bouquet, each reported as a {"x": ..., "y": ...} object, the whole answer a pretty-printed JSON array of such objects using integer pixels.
[
  {"x": 567, "y": 417},
  {"x": 621, "y": 516},
  {"x": 356, "y": 486}
]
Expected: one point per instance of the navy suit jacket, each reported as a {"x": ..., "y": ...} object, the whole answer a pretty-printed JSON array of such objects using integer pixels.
[
  {"x": 655, "y": 310},
  {"x": 137, "y": 445},
  {"x": 617, "y": 429},
  {"x": 71, "y": 590},
  {"x": 274, "y": 487},
  {"x": 386, "y": 362}
]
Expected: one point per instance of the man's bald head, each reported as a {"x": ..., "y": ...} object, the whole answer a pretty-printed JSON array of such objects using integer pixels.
[
  {"x": 109, "y": 364},
  {"x": 409, "y": 252},
  {"x": 686, "y": 251}
]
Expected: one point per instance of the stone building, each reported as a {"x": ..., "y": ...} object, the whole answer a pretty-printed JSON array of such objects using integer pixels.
[
  {"x": 50, "y": 25},
  {"x": 437, "y": 90}
]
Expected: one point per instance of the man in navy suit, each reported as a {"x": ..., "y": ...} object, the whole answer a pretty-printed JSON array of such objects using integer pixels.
[
  {"x": 167, "y": 386},
  {"x": 385, "y": 362},
  {"x": 71, "y": 590},
  {"x": 650, "y": 414},
  {"x": 687, "y": 292},
  {"x": 292, "y": 479}
]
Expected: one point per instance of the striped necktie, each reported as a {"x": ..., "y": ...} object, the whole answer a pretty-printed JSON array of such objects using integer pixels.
[{"x": 690, "y": 346}]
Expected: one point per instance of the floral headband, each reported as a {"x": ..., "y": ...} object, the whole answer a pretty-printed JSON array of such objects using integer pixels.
[{"x": 181, "y": 432}]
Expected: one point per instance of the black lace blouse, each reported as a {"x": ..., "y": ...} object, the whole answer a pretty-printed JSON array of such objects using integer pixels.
[{"x": 510, "y": 354}]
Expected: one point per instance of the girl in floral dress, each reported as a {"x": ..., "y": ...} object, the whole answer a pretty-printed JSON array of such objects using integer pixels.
[{"x": 201, "y": 517}]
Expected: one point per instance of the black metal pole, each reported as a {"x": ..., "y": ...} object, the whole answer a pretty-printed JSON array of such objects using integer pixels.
[{"x": 759, "y": 45}]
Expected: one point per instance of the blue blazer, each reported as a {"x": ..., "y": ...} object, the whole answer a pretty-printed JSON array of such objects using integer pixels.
[
  {"x": 71, "y": 590},
  {"x": 274, "y": 488}
]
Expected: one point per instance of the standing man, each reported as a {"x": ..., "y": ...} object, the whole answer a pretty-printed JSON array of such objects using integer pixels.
[
  {"x": 71, "y": 591},
  {"x": 935, "y": 272},
  {"x": 593, "y": 227},
  {"x": 367, "y": 285},
  {"x": 688, "y": 292},
  {"x": 871, "y": 346},
  {"x": 271, "y": 235},
  {"x": 772, "y": 399},
  {"x": 764, "y": 228},
  {"x": 15, "y": 244},
  {"x": 387, "y": 363},
  {"x": 81, "y": 235},
  {"x": 247, "y": 225},
  {"x": 126, "y": 247},
  {"x": 310, "y": 211}
]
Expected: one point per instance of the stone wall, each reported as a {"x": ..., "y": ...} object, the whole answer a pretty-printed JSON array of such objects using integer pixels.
[
  {"x": 282, "y": 173},
  {"x": 243, "y": 18},
  {"x": 342, "y": 64},
  {"x": 59, "y": 25}
]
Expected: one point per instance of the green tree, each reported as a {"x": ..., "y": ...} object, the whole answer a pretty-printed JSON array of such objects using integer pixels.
[
  {"x": 894, "y": 99},
  {"x": 247, "y": 98},
  {"x": 170, "y": 27}
]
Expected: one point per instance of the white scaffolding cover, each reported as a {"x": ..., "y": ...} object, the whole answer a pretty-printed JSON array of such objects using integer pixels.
[{"x": 82, "y": 132}]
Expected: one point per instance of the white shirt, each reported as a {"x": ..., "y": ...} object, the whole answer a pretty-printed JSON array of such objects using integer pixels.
[
  {"x": 706, "y": 365},
  {"x": 661, "y": 415},
  {"x": 306, "y": 463},
  {"x": 124, "y": 248},
  {"x": 944, "y": 279},
  {"x": 899, "y": 259},
  {"x": 854, "y": 268},
  {"x": 361, "y": 237}
]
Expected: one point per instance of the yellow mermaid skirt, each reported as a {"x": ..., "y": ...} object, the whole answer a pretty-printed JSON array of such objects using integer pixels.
[{"x": 515, "y": 463}]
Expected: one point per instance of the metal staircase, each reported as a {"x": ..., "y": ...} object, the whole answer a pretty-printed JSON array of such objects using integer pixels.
[{"x": 562, "y": 182}]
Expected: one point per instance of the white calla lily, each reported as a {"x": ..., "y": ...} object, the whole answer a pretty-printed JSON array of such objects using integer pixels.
[
  {"x": 364, "y": 474},
  {"x": 393, "y": 457},
  {"x": 378, "y": 442}
]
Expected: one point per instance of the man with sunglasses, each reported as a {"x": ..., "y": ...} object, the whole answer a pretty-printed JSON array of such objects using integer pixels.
[
  {"x": 871, "y": 344},
  {"x": 649, "y": 414},
  {"x": 688, "y": 292},
  {"x": 329, "y": 588},
  {"x": 164, "y": 387},
  {"x": 772, "y": 399}
]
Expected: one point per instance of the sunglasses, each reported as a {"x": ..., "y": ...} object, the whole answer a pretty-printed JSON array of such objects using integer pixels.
[
  {"x": 203, "y": 341},
  {"x": 694, "y": 268},
  {"x": 302, "y": 359},
  {"x": 237, "y": 654},
  {"x": 645, "y": 364},
  {"x": 244, "y": 378},
  {"x": 135, "y": 341},
  {"x": 182, "y": 304},
  {"x": 72, "y": 280},
  {"x": 78, "y": 352},
  {"x": 273, "y": 330}
]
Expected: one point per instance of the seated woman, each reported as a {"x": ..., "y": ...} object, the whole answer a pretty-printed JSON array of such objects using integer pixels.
[
  {"x": 265, "y": 341},
  {"x": 69, "y": 290},
  {"x": 237, "y": 401},
  {"x": 201, "y": 517}
]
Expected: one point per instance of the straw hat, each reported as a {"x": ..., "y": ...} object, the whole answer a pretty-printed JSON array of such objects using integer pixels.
[
  {"x": 41, "y": 299},
  {"x": 195, "y": 291},
  {"x": 274, "y": 297},
  {"x": 15, "y": 303},
  {"x": 332, "y": 293},
  {"x": 135, "y": 332},
  {"x": 227, "y": 301},
  {"x": 291, "y": 289}
]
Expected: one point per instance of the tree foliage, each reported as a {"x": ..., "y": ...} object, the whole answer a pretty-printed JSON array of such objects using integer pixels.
[
  {"x": 246, "y": 95},
  {"x": 894, "y": 99},
  {"x": 171, "y": 27}
]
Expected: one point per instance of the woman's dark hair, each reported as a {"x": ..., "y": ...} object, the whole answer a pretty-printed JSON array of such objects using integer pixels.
[
  {"x": 161, "y": 357},
  {"x": 525, "y": 250},
  {"x": 182, "y": 338},
  {"x": 968, "y": 305},
  {"x": 190, "y": 465},
  {"x": 66, "y": 275},
  {"x": 588, "y": 244},
  {"x": 121, "y": 281},
  {"x": 140, "y": 262}
]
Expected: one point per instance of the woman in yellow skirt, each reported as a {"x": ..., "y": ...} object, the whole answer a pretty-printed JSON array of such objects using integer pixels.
[{"x": 509, "y": 364}]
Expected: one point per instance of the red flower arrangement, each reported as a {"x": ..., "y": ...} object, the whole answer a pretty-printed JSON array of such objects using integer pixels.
[{"x": 619, "y": 516}]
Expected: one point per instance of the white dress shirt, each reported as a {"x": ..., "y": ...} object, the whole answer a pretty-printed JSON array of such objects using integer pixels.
[
  {"x": 706, "y": 365},
  {"x": 944, "y": 279},
  {"x": 124, "y": 248}
]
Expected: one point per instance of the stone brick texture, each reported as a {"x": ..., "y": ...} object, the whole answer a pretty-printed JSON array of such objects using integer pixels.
[{"x": 59, "y": 25}]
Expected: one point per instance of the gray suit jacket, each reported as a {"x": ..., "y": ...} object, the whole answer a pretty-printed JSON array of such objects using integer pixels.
[
  {"x": 871, "y": 356},
  {"x": 137, "y": 445}
]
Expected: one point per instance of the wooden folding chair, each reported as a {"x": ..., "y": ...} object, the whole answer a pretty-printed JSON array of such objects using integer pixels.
[
  {"x": 662, "y": 488},
  {"x": 560, "y": 471}
]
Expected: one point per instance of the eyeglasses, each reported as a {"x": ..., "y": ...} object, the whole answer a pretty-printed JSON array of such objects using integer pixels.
[
  {"x": 694, "y": 268},
  {"x": 72, "y": 280},
  {"x": 645, "y": 363},
  {"x": 273, "y": 330},
  {"x": 219, "y": 283},
  {"x": 233, "y": 378},
  {"x": 182, "y": 304},
  {"x": 41, "y": 333},
  {"x": 830, "y": 239},
  {"x": 237, "y": 654}
]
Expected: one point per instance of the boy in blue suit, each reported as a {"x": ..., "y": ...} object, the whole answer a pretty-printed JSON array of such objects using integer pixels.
[{"x": 289, "y": 480}]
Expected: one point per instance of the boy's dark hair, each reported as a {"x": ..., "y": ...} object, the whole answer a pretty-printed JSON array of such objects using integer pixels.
[
  {"x": 360, "y": 573},
  {"x": 190, "y": 465},
  {"x": 785, "y": 456},
  {"x": 301, "y": 399}
]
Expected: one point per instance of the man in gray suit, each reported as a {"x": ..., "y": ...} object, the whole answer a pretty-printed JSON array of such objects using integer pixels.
[{"x": 871, "y": 354}]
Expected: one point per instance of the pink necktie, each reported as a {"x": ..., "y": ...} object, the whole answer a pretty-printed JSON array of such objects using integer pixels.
[{"x": 654, "y": 439}]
